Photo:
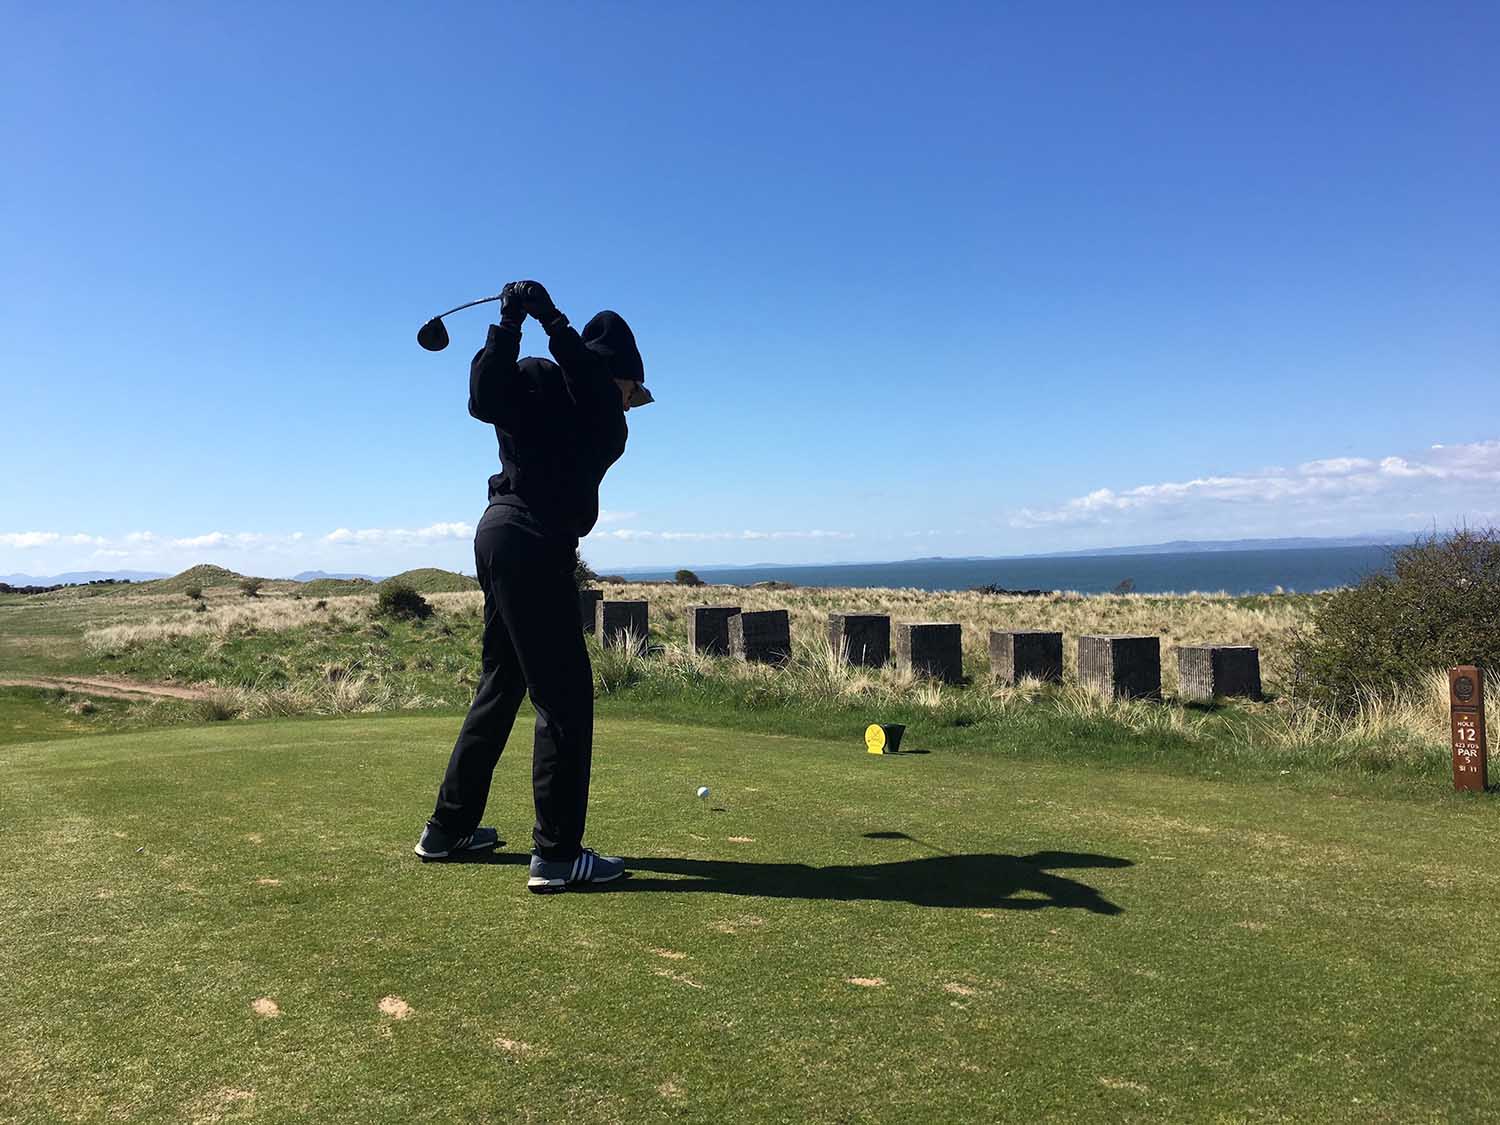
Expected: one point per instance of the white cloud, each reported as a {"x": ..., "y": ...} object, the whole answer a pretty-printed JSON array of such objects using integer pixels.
[
  {"x": 28, "y": 540},
  {"x": 154, "y": 548},
  {"x": 1331, "y": 480},
  {"x": 432, "y": 533},
  {"x": 202, "y": 542},
  {"x": 629, "y": 534}
]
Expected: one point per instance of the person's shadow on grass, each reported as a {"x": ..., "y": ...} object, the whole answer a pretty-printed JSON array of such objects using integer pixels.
[{"x": 997, "y": 882}]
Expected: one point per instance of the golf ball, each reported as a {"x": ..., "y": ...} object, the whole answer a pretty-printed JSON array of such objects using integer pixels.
[{"x": 703, "y": 790}]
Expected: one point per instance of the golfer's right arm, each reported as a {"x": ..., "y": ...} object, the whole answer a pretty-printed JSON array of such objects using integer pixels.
[{"x": 496, "y": 388}]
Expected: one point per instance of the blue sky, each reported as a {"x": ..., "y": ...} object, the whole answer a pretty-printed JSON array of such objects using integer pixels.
[{"x": 938, "y": 279}]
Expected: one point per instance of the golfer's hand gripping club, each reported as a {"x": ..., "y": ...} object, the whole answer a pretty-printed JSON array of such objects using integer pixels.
[
  {"x": 538, "y": 302},
  {"x": 512, "y": 308}
]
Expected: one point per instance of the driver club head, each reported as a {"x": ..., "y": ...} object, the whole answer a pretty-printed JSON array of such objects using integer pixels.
[{"x": 433, "y": 335}]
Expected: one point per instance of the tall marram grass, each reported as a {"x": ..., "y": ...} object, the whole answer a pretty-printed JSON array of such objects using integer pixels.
[
  {"x": 344, "y": 695},
  {"x": 224, "y": 619},
  {"x": 1408, "y": 725}
]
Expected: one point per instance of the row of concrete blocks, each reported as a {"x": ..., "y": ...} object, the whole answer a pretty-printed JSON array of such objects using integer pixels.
[
  {"x": 1128, "y": 667},
  {"x": 763, "y": 636}
]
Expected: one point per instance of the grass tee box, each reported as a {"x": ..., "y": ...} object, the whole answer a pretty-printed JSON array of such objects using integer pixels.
[{"x": 958, "y": 937}]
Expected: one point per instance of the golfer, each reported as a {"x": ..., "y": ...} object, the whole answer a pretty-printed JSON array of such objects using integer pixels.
[{"x": 561, "y": 426}]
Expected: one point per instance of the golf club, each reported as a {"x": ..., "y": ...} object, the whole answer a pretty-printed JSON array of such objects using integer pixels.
[{"x": 434, "y": 334}]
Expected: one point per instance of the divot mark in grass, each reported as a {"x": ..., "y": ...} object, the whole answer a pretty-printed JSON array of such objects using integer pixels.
[
  {"x": 678, "y": 977},
  {"x": 742, "y": 839},
  {"x": 515, "y": 1047},
  {"x": 255, "y": 838},
  {"x": 265, "y": 1006},
  {"x": 1123, "y": 1084},
  {"x": 669, "y": 1089},
  {"x": 1253, "y": 927},
  {"x": 960, "y": 989},
  {"x": 215, "y": 1106},
  {"x": 735, "y": 925},
  {"x": 866, "y": 982},
  {"x": 268, "y": 882},
  {"x": 396, "y": 1008},
  {"x": 670, "y": 954}
]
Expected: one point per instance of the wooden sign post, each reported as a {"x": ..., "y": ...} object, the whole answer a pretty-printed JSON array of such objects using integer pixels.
[{"x": 1466, "y": 707}]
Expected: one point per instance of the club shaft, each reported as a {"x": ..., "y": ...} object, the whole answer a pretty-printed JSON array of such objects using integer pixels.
[{"x": 467, "y": 305}]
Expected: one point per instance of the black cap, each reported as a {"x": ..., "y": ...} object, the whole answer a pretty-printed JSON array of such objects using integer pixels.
[{"x": 608, "y": 336}]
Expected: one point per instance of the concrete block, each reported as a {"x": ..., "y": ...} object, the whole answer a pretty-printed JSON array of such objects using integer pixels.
[
  {"x": 1015, "y": 653},
  {"x": 763, "y": 636},
  {"x": 861, "y": 638},
  {"x": 1128, "y": 667},
  {"x": 587, "y": 601},
  {"x": 612, "y": 620},
  {"x": 931, "y": 648},
  {"x": 1207, "y": 671},
  {"x": 708, "y": 628}
]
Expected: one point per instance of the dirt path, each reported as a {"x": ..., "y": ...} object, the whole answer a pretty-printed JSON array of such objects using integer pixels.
[{"x": 112, "y": 687}]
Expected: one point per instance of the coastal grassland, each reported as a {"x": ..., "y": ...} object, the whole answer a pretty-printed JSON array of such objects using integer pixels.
[
  {"x": 30, "y": 714},
  {"x": 229, "y": 925},
  {"x": 1270, "y": 621},
  {"x": 284, "y": 654}
]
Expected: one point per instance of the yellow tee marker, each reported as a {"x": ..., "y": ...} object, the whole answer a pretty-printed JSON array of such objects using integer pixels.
[{"x": 884, "y": 738}]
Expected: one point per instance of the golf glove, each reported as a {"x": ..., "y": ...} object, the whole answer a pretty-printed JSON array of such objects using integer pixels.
[
  {"x": 512, "y": 309},
  {"x": 539, "y": 304}
]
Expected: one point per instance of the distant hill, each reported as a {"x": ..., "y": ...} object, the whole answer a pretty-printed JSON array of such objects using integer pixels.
[
  {"x": 430, "y": 580},
  {"x": 204, "y": 575},
  {"x": 76, "y": 577},
  {"x": 1196, "y": 546},
  {"x": 1177, "y": 547},
  {"x": 333, "y": 587},
  {"x": 319, "y": 575}
]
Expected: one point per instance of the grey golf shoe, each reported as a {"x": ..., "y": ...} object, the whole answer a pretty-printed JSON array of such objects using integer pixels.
[
  {"x": 551, "y": 876},
  {"x": 438, "y": 844}
]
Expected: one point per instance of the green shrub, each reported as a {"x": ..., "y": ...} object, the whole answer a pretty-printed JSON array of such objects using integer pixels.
[
  {"x": 688, "y": 578},
  {"x": 194, "y": 592},
  {"x": 401, "y": 602},
  {"x": 583, "y": 574},
  {"x": 250, "y": 587},
  {"x": 1437, "y": 608}
]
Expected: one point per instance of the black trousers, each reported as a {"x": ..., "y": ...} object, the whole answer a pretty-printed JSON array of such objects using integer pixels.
[{"x": 533, "y": 644}]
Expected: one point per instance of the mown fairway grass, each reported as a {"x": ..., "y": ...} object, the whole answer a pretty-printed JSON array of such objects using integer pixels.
[{"x": 959, "y": 936}]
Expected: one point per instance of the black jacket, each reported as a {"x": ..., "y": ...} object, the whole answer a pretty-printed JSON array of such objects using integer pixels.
[{"x": 561, "y": 426}]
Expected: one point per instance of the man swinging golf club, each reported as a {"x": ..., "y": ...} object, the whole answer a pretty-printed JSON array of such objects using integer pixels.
[{"x": 561, "y": 426}]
